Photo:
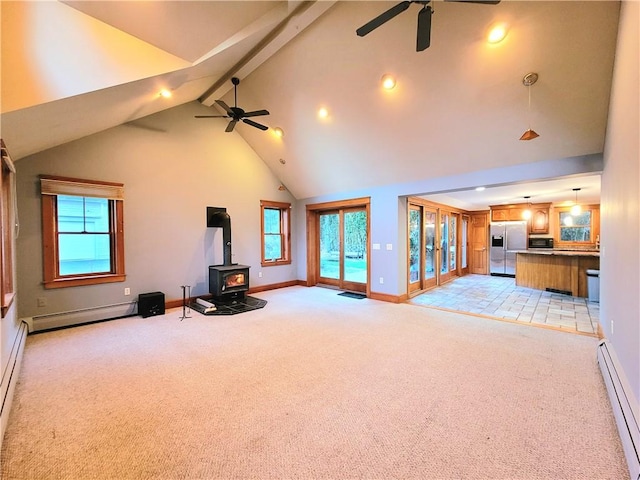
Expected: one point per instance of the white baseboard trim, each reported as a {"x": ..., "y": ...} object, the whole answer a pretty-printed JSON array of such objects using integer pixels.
[
  {"x": 78, "y": 317},
  {"x": 10, "y": 377},
  {"x": 624, "y": 404}
]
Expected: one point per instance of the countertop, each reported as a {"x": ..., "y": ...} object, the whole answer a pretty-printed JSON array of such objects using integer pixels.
[{"x": 566, "y": 253}]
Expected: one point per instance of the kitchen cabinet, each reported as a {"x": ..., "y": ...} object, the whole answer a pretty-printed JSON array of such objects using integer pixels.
[
  {"x": 539, "y": 222},
  {"x": 507, "y": 213},
  {"x": 556, "y": 270}
]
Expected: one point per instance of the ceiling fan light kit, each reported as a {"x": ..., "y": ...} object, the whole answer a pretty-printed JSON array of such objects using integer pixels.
[
  {"x": 236, "y": 113},
  {"x": 423, "y": 37}
]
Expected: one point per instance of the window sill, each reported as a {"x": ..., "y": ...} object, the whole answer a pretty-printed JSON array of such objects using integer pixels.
[
  {"x": 275, "y": 263},
  {"x": 79, "y": 281},
  {"x": 6, "y": 303}
]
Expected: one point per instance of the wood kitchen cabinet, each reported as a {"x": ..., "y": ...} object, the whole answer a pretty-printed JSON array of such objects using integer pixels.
[
  {"x": 556, "y": 271},
  {"x": 539, "y": 222},
  {"x": 506, "y": 213}
]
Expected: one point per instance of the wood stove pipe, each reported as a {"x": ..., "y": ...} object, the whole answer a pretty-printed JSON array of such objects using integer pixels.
[{"x": 218, "y": 217}]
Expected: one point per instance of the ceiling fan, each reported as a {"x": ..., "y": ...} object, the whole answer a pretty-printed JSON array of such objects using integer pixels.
[
  {"x": 237, "y": 114},
  {"x": 424, "y": 19}
]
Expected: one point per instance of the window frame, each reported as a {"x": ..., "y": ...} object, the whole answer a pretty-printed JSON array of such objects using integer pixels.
[
  {"x": 285, "y": 232},
  {"x": 594, "y": 227},
  {"x": 51, "y": 187},
  {"x": 8, "y": 232}
]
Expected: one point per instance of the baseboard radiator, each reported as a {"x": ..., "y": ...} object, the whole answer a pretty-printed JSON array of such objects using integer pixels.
[
  {"x": 78, "y": 317},
  {"x": 10, "y": 377},
  {"x": 625, "y": 406}
]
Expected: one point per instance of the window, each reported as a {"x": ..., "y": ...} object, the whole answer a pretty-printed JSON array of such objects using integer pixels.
[
  {"x": 578, "y": 230},
  {"x": 7, "y": 235},
  {"x": 82, "y": 232},
  {"x": 276, "y": 237}
]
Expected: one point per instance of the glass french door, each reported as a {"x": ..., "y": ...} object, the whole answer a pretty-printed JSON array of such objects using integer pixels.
[
  {"x": 343, "y": 248},
  {"x": 422, "y": 248},
  {"x": 435, "y": 253},
  {"x": 449, "y": 246},
  {"x": 464, "y": 244}
]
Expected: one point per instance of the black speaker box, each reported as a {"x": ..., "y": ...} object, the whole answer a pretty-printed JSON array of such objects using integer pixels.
[{"x": 150, "y": 304}]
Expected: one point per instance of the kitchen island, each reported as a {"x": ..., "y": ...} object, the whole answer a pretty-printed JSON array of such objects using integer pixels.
[{"x": 562, "y": 271}]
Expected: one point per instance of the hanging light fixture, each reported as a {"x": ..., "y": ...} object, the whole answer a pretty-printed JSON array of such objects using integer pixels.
[
  {"x": 526, "y": 214},
  {"x": 528, "y": 80},
  {"x": 576, "y": 209}
]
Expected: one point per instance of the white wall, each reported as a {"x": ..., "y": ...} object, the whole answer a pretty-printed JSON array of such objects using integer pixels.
[
  {"x": 173, "y": 166},
  {"x": 620, "y": 200}
]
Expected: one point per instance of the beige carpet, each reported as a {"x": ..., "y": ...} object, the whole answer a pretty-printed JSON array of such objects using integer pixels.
[{"x": 314, "y": 385}]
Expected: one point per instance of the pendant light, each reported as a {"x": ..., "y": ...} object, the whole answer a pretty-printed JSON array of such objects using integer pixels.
[
  {"x": 528, "y": 80},
  {"x": 576, "y": 209},
  {"x": 526, "y": 214}
]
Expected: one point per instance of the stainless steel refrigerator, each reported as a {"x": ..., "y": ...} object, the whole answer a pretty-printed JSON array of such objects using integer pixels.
[{"x": 506, "y": 239}]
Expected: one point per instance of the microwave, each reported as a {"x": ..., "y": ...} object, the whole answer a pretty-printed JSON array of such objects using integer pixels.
[{"x": 540, "y": 242}]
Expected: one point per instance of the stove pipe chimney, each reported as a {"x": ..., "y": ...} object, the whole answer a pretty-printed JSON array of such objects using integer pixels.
[{"x": 218, "y": 217}]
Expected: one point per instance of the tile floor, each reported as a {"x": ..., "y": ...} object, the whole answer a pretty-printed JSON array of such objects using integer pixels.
[{"x": 500, "y": 297}]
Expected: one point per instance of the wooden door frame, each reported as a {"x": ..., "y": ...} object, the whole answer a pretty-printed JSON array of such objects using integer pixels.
[
  {"x": 481, "y": 220},
  {"x": 313, "y": 247},
  {"x": 416, "y": 287},
  {"x": 464, "y": 216},
  {"x": 439, "y": 208},
  {"x": 449, "y": 275}
]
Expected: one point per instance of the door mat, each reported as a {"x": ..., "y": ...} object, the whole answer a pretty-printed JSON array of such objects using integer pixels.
[
  {"x": 359, "y": 296},
  {"x": 232, "y": 307}
]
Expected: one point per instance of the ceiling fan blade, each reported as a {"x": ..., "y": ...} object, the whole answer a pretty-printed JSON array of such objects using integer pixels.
[
  {"x": 225, "y": 106},
  {"x": 382, "y": 18},
  {"x": 211, "y": 116},
  {"x": 255, "y": 124},
  {"x": 256, "y": 113},
  {"x": 424, "y": 29},
  {"x": 232, "y": 124},
  {"x": 488, "y": 2}
]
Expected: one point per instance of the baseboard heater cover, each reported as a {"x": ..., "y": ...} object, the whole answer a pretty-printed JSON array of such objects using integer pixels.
[
  {"x": 78, "y": 317},
  {"x": 625, "y": 406},
  {"x": 10, "y": 377}
]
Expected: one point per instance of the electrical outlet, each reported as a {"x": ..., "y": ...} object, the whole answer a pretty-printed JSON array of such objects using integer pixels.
[
  {"x": 259, "y": 274},
  {"x": 127, "y": 291},
  {"x": 42, "y": 301},
  {"x": 381, "y": 280}
]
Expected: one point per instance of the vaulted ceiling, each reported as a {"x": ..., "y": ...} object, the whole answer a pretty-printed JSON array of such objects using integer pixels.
[{"x": 74, "y": 68}]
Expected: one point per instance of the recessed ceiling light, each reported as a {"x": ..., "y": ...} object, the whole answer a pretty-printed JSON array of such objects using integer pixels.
[
  {"x": 164, "y": 93},
  {"x": 388, "y": 81},
  {"x": 497, "y": 32},
  {"x": 323, "y": 112},
  {"x": 479, "y": 189}
]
